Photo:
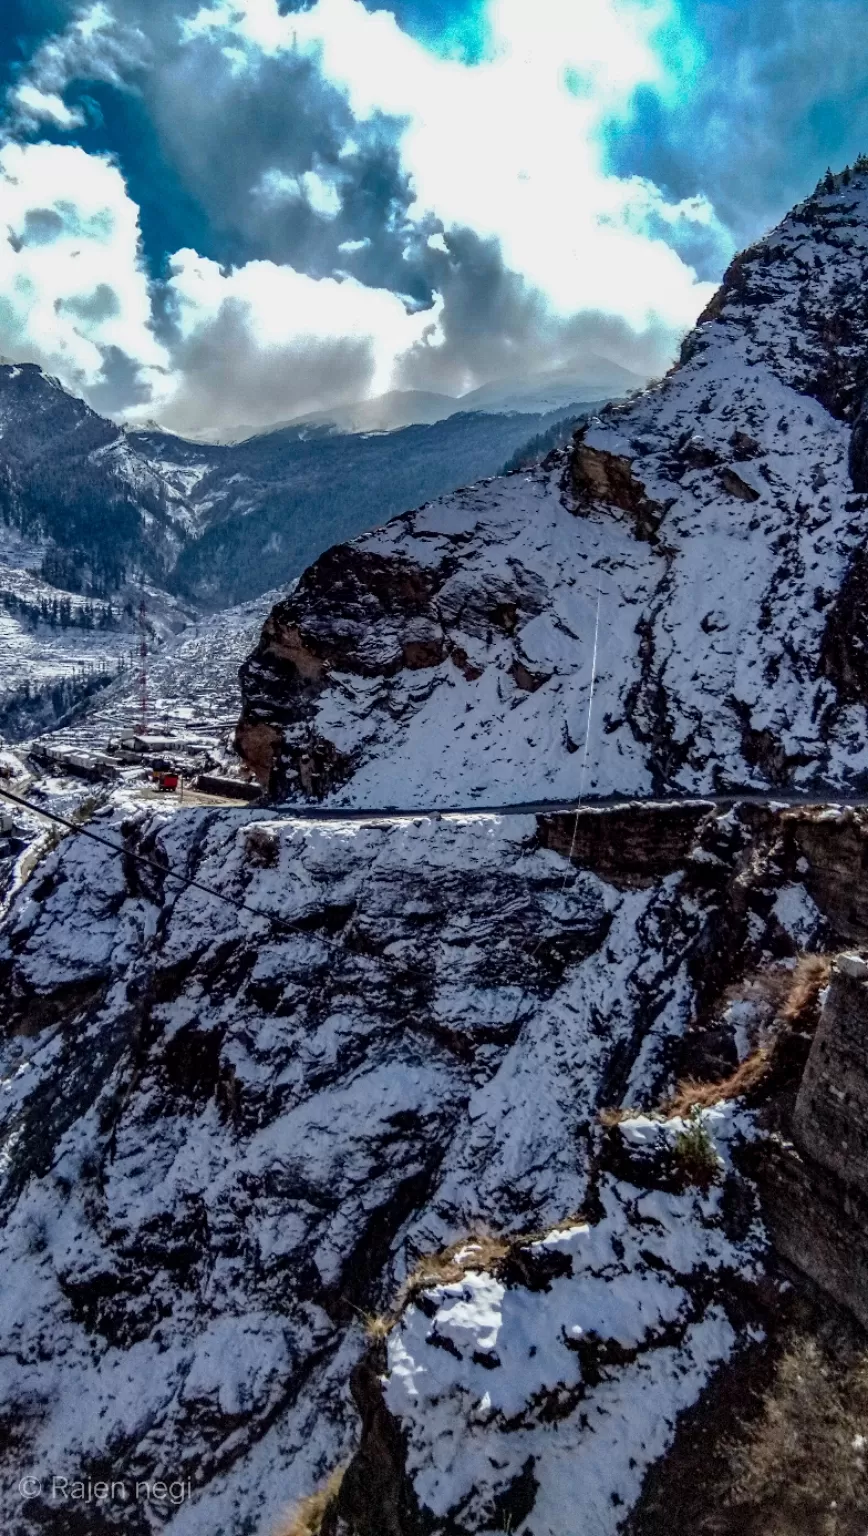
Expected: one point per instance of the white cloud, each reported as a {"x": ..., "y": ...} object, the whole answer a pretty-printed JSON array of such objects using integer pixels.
[
  {"x": 261, "y": 342},
  {"x": 71, "y": 285},
  {"x": 33, "y": 106},
  {"x": 320, "y": 194},
  {"x": 512, "y": 147}
]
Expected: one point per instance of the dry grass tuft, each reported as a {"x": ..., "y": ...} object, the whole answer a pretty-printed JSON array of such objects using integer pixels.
[
  {"x": 378, "y": 1326},
  {"x": 803, "y": 1470},
  {"x": 612, "y": 1117},
  {"x": 484, "y": 1252},
  {"x": 307, "y": 1517},
  {"x": 793, "y": 996},
  {"x": 480, "y": 1252},
  {"x": 690, "y": 1095},
  {"x": 810, "y": 976}
]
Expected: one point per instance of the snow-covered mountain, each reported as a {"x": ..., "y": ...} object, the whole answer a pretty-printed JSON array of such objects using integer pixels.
[
  {"x": 441, "y": 1161},
  {"x": 716, "y": 522}
]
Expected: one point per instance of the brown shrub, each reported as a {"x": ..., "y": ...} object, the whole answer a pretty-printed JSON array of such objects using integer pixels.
[
  {"x": 690, "y": 1095},
  {"x": 307, "y": 1517}
]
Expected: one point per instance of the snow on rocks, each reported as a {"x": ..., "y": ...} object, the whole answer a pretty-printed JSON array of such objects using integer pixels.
[
  {"x": 447, "y": 657},
  {"x": 535, "y": 1398},
  {"x": 224, "y": 1138}
]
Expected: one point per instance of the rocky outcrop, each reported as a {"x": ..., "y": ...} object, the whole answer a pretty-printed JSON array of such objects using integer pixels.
[
  {"x": 815, "y": 1186},
  {"x": 233, "y": 1122},
  {"x": 597, "y": 476},
  {"x": 831, "y": 1119},
  {"x": 703, "y": 541},
  {"x": 630, "y": 845},
  {"x": 603, "y": 1331},
  {"x": 844, "y": 653}
]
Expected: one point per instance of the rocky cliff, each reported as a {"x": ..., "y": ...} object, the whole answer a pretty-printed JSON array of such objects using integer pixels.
[
  {"x": 233, "y": 1125},
  {"x": 717, "y": 519}
]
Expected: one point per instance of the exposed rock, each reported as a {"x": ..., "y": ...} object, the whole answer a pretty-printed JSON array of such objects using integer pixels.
[
  {"x": 744, "y": 446},
  {"x": 817, "y": 1222},
  {"x": 834, "y": 844},
  {"x": 858, "y": 455},
  {"x": 631, "y": 845},
  {"x": 830, "y": 1124},
  {"x": 598, "y": 476},
  {"x": 844, "y": 654},
  {"x": 527, "y": 680},
  {"x": 734, "y": 485},
  {"x": 376, "y": 1496},
  {"x": 258, "y": 742}
]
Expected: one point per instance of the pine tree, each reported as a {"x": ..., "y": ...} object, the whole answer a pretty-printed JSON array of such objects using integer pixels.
[{"x": 829, "y": 180}]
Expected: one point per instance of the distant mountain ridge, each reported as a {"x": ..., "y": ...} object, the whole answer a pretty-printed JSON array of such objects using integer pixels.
[
  {"x": 214, "y": 523},
  {"x": 596, "y": 379}
]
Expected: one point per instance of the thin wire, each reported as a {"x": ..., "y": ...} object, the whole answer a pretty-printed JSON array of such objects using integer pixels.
[
  {"x": 188, "y": 883},
  {"x": 184, "y": 881},
  {"x": 584, "y": 772},
  {"x": 582, "y": 780}
]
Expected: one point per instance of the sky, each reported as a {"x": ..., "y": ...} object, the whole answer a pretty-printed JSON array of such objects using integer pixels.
[{"x": 232, "y": 212}]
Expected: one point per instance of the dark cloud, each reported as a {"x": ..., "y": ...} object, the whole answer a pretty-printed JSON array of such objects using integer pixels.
[
  {"x": 236, "y": 139},
  {"x": 228, "y": 381},
  {"x": 494, "y": 325},
  {"x": 121, "y": 387}
]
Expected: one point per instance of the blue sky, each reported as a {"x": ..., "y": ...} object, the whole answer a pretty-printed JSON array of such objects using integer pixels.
[{"x": 224, "y": 211}]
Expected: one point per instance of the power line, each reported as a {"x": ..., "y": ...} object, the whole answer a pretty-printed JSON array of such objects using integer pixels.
[
  {"x": 184, "y": 881},
  {"x": 579, "y": 803}
]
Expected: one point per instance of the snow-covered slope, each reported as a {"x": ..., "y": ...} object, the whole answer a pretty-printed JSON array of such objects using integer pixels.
[
  {"x": 713, "y": 522},
  {"x": 226, "y": 1140},
  {"x": 192, "y": 684},
  {"x": 541, "y": 1388}
]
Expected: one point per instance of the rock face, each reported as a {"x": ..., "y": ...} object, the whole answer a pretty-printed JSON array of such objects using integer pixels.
[
  {"x": 716, "y": 523},
  {"x": 233, "y": 1123},
  {"x": 831, "y": 1119},
  {"x": 815, "y": 1187},
  {"x": 513, "y": 1384}
]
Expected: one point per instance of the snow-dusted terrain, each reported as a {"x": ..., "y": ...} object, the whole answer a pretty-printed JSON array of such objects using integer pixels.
[
  {"x": 714, "y": 521},
  {"x": 548, "y": 1400},
  {"x": 192, "y": 684},
  {"x": 227, "y": 1139},
  {"x": 240, "y": 1119}
]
